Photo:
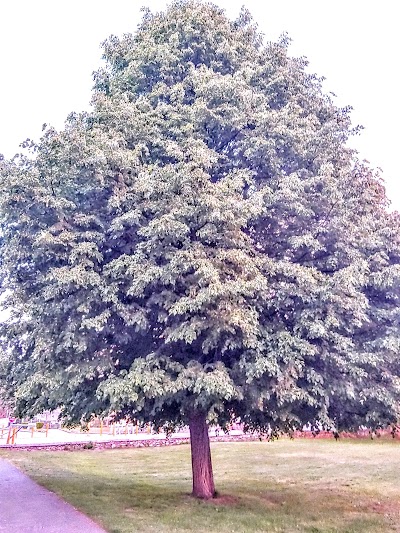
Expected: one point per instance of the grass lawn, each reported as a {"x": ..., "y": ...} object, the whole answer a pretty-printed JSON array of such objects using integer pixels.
[{"x": 281, "y": 486}]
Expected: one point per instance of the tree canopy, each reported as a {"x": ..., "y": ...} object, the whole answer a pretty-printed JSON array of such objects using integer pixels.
[{"x": 201, "y": 244}]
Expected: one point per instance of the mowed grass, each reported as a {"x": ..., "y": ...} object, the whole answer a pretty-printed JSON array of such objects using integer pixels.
[{"x": 281, "y": 486}]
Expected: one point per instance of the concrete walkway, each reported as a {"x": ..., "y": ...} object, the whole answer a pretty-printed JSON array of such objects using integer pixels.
[
  {"x": 25, "y": 507},
  {"x": 59, "y": 436}
]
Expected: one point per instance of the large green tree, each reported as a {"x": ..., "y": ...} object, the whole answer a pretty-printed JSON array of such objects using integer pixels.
[{"x": 201, "y": 246}]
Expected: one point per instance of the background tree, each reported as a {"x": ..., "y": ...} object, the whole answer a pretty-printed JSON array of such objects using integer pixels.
[{"x": 201, "y": 246}]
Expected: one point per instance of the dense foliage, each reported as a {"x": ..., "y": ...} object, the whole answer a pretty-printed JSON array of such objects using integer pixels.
[{"x": 201, "y": 240}]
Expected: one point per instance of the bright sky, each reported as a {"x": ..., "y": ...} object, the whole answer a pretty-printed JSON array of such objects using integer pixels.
[{"x": 49, "y": 49}]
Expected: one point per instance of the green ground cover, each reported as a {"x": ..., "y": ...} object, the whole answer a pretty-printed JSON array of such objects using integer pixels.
[{"x": 282, "y": 486}]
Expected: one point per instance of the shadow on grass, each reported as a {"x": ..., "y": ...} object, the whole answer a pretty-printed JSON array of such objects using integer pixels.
[{"x": 149, "y": 506}]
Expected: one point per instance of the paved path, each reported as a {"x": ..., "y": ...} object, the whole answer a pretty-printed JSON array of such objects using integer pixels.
[
  {"x": 25, "y": 507},
  {"x": 58, "y": 436}
]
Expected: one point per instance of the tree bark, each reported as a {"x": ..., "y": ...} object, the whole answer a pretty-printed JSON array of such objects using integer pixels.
[{"x": 203, "y": 479}]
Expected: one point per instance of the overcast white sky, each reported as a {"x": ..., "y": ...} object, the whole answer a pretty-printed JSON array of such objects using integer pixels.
[{"x": 49, "y": 49}]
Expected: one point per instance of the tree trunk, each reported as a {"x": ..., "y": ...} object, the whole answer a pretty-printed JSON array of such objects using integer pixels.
[{"x": 203, "y": 479}]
